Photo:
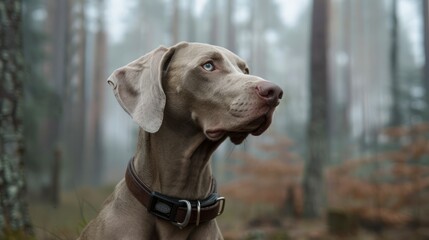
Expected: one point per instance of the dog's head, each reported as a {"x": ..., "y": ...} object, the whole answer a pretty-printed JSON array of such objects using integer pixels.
[{"x": 196, "y": 85}]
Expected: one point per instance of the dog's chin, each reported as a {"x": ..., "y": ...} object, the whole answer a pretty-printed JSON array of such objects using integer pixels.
[
  {"x": 237, "y": 138},
  {"x": 237, "y": 135}
]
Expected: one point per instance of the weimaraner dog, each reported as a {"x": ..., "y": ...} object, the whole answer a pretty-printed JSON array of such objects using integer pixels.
[{"x": 187, "y": 99}]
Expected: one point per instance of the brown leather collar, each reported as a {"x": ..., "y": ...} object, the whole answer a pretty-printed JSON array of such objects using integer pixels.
[{"x": 180, "y": 212}]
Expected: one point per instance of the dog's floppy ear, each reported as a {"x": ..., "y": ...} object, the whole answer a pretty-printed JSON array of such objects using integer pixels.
[{"x": 138, "y": 88}]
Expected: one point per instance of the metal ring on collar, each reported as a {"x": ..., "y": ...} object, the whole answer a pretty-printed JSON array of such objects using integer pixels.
[
  {"x": 198, "y": 213},
  {"x": 222, "y": 200},
  {"x": 187, "y": 217}
]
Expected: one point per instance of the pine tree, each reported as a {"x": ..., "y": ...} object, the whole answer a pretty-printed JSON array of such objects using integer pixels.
[
  {"x": 313, "y": 185},
  {"x": 395, "y": 111},
  {"x": 425, "y": 7},
  {"x": 13, "y": 208}
]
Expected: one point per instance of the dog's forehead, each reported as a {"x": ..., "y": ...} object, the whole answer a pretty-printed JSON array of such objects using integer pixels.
[{"x": 201, "y": 50}]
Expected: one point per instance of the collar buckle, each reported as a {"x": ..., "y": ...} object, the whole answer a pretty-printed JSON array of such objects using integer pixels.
[{"x": 187, "y": 217}]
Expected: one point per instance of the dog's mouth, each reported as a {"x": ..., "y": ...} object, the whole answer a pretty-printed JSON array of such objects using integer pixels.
[{"x": 255, "y": 127}]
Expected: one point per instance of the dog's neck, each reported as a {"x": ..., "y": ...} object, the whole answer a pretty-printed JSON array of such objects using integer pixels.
[{"x": 176, "y": 162}]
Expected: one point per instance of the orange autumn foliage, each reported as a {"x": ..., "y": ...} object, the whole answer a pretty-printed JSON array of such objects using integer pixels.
[
  {"x": 270, "y": 180},
  {"x": 391, "y": 187}
]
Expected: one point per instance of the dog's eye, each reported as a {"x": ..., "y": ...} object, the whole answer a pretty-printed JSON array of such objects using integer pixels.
[{"x": 209, "y": 66}]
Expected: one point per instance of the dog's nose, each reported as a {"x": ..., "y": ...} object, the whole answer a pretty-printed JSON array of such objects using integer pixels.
[{"x": 269, "y": 92}]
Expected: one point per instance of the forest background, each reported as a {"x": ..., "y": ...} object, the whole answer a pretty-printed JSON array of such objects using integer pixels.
[{"x": 346, "y": 156}]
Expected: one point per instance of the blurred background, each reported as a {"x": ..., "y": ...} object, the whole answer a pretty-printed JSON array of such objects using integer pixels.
[{"x": 347, "y": 156}]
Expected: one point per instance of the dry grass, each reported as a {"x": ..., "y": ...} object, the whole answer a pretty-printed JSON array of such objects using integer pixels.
[
  {"x": 68, "y": 219},
  {"x": 239, "y": 222}
]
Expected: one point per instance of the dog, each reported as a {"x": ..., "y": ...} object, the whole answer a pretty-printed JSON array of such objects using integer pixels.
[{"x": 186, "y": 99}]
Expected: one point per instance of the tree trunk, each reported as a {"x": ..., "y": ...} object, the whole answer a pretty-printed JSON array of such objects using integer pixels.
[
  {"x": 313, "y": 184},
  {"x": 93, "y": 132},
  {"x": 214, "y": 26},
  {"x": 395, "y": 118},
  {"x": 425, "y": 7},
  {"x": 74, "y": 96},
  {"x": 259, "y": 49},
  {"x": 175, "y": 24},
  {"x": 231, "y": 38},
  {"x": 13, "y": 208},
  {"x": 192, "y": 31}
]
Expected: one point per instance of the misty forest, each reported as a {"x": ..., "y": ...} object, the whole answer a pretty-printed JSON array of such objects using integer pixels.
[{"x": 347, "y": 153}]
